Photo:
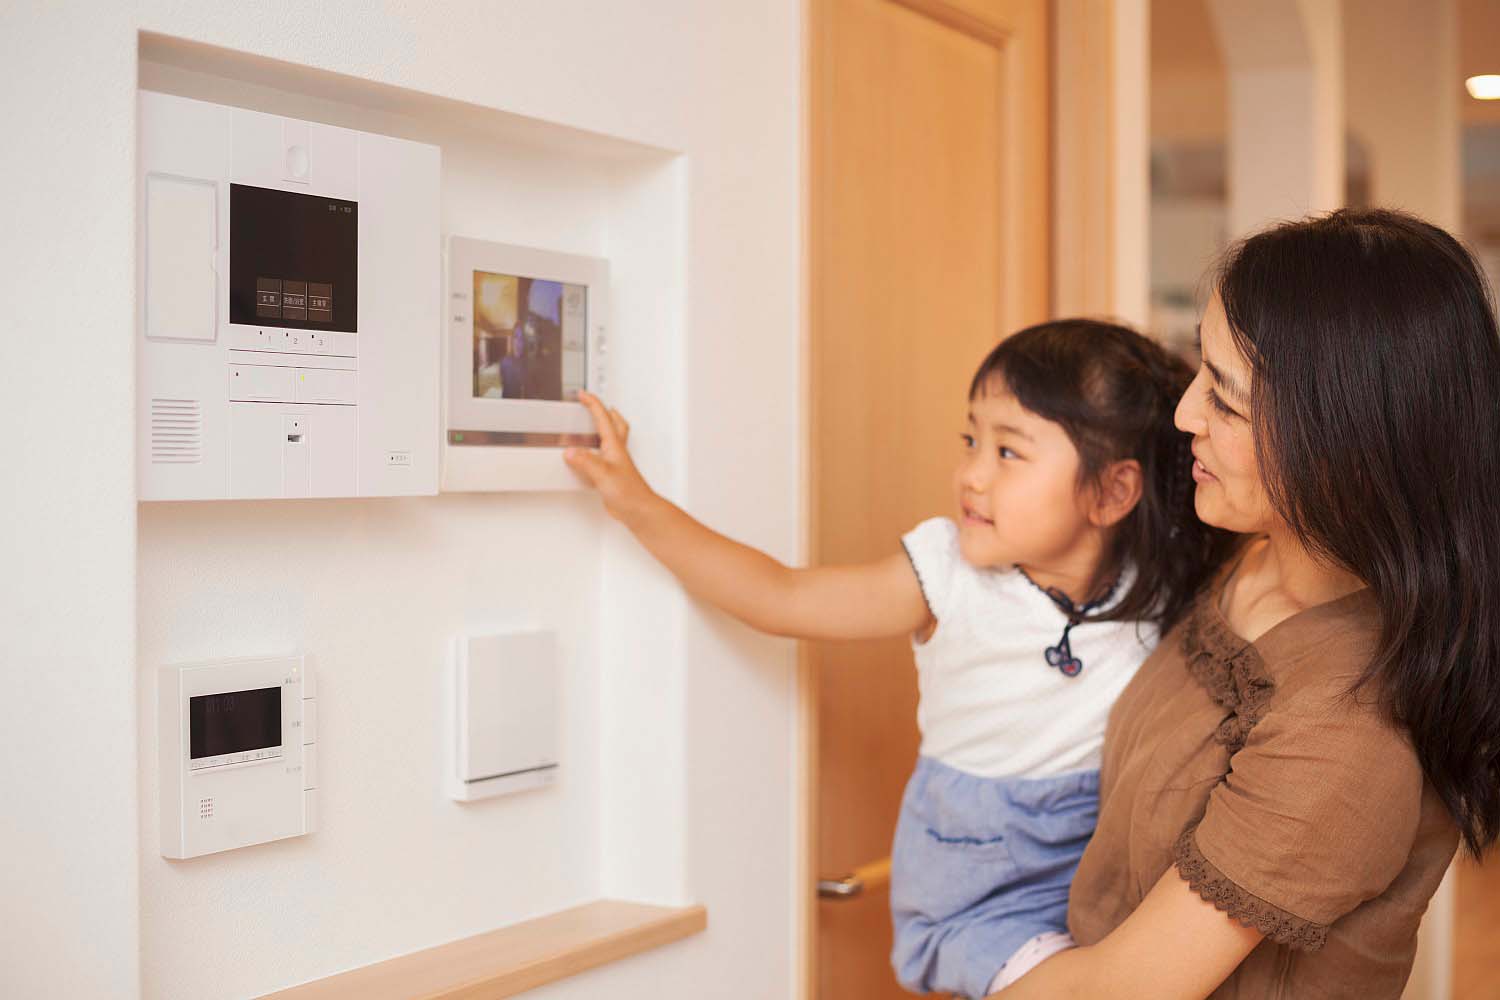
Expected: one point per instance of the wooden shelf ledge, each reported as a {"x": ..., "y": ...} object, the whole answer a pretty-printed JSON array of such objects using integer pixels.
[{"x": 513, "y": 959}]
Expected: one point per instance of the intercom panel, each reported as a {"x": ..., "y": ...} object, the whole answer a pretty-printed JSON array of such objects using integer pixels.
[
  {"x": 237, "y": 752},
  {"x": 290, "y": 295}
]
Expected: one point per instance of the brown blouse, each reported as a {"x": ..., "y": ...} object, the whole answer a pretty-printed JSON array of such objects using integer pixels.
[{"x": 1290, "y": 805}]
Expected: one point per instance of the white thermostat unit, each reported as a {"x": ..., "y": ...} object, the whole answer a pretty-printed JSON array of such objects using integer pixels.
[
  {"x": 526, "y": 332},
  {"x": 237, "y": 751},
  {"x": 290, "y": 295},
  {"x": 503, "y": 708}
]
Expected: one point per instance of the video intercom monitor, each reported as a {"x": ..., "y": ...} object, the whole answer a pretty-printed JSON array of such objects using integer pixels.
[{"x": 525, "y": 334}]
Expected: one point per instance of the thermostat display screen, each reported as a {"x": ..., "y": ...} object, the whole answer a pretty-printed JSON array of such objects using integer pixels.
[
  {"x": 530, "y": 338},
  {"x": 234, "y": 722}
]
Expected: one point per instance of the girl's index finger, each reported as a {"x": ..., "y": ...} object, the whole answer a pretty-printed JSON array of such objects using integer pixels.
[{"x": 602, "y": 424}]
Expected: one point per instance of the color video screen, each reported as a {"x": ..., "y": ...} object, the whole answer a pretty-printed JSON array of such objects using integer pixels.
[{"x": 529, "y": 338}]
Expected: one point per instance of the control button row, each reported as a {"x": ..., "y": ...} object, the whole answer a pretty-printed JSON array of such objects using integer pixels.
[
  {"x": 234, "y": 758},
  {"x": 292, "y": 341}
]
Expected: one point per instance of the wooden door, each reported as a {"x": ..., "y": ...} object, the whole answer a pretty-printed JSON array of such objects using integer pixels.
[{"x": 929, "y": 241}]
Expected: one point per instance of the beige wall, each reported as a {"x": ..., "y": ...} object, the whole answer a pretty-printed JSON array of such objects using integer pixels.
[
  {"x": 1404, "y": 96},
  {"x": 1189, "y": 88}
]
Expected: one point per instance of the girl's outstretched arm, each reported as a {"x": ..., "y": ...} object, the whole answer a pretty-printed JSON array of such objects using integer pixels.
[{"x": 871, "y": 601}]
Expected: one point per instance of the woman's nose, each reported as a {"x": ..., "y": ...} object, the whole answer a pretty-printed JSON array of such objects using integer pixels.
[{"x": 1189, "y": 413}]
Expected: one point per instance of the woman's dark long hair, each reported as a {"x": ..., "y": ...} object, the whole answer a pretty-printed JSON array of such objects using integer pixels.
[
  {"x": 1114, "y": 392},
  {"x": 1376, "y": 401}
]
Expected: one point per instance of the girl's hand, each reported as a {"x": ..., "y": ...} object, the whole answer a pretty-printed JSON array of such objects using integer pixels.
[{"x": 609, "y": 470}]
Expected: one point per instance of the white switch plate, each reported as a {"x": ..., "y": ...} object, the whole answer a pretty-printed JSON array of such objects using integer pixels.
[{"x": 503, "y": 712}]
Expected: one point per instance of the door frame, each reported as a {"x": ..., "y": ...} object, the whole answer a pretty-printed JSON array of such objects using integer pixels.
[{"x": 1099, "y": 196}]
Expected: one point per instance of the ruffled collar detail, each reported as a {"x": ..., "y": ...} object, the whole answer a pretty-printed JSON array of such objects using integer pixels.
[{"x": 1229, "y": 668}]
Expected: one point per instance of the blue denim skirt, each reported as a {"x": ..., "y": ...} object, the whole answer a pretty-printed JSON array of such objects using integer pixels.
[{"x": 980, "y": 866}]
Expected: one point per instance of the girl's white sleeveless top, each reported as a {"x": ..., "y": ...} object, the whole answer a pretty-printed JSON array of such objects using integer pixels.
[{"x": 990, "y": 703}]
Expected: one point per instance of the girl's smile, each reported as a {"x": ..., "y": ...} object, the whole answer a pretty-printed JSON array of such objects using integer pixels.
[{"x": 972, "y": 516}]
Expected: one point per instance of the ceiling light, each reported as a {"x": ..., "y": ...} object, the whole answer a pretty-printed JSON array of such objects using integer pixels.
[{"x": 1484, "y": 88}]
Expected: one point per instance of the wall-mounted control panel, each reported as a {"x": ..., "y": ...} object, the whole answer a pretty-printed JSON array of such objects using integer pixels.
[
  {"x": 503, "y": 713},
  {"x": 237, "y": 752},
  {"x": 290, "y": 284}
]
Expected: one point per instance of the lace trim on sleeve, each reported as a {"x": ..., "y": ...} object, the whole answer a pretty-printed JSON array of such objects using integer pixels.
[{"x": 1247, "y": 908}]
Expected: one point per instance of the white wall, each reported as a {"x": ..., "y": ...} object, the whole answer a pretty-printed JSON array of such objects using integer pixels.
[
  {"x": 68, "y": 872},
  {"x": 373, "y": 587}
]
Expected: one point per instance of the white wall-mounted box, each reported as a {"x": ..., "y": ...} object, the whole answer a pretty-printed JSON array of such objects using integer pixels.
[
  {"x": 289, "y": 300},
  {"x": 237, "y": 753},
  {"x": 503, "y": 713}
]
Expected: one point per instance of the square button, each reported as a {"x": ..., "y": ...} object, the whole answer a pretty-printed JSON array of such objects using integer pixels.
[
  {"x": 294, "y": 300},
  {"x": 268, "y": 298},
  {"x": 320, "y": 302}
]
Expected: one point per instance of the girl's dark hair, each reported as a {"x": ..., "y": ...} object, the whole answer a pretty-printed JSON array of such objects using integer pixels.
[
  {"x": 1376, "y": 401},
  {"x": 1114, "y": 392}
]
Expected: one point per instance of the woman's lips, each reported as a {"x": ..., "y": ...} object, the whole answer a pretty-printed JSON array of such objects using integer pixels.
[{"x": 1201, "y": 473}]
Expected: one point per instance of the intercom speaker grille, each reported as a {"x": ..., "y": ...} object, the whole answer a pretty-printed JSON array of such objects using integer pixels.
[
  {"x": 206, "y": 808},
  {"x": 176, "y": 431}
]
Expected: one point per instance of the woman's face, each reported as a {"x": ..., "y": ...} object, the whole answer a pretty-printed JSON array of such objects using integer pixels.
[{"x": 1216, "y": 411}]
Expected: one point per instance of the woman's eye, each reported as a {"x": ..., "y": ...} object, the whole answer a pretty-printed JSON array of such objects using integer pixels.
[
  {"x": 967, "y": 439},
  {"x": 1007, "y": 453},
  {"x": 1219, "y": 405}
]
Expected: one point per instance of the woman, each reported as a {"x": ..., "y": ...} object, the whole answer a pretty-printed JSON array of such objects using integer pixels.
[{"x": 1287, "y": 778}]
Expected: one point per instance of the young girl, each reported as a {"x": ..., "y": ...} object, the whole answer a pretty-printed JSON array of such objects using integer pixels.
[{"x": 1074, "y": 543}]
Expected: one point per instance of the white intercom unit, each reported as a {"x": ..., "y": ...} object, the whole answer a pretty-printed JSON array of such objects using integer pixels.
[
  {"x": 237, "y": 751},
  {"x": 526, "y": 332},
  {"x": 290, "y": 295},
  {"x": 503, "y": 707}
]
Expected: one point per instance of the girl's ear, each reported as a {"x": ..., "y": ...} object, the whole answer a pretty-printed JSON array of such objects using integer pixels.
[{"x": 1116, "y": 492}]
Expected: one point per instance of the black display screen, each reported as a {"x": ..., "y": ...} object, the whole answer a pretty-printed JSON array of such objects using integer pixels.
[
  {"x": 293, "y": 260},
  {"x": 234, "y": 722}
]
